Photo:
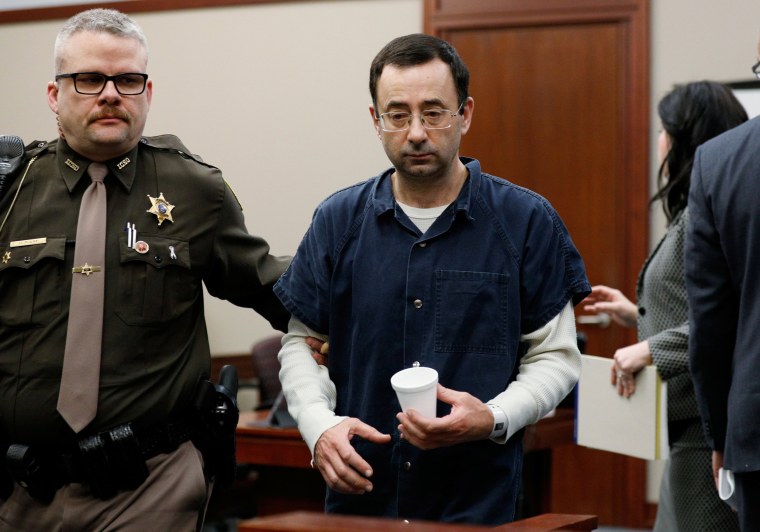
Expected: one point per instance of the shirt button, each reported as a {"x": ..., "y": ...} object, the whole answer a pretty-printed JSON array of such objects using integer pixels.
[
  {"x": 423, "y": 244},
  {"x": 157, "y": 258},
  {"x": 642, "y": 311},
  {"x": 407, "y": 466},
  {"x": 417, "y": 303},
  {"x": 27, "y": 260}
]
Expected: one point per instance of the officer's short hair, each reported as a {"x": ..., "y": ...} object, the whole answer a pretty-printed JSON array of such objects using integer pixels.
[
  {"x": 98, "y": 20},
  {"x": 418, "y": 49}
]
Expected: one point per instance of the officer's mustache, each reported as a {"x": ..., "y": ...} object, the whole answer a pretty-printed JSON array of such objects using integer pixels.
[{"x": 110, "y": 112}]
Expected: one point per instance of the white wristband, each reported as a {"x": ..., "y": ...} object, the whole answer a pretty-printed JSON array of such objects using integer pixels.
[{"x": 499, "y": 421}]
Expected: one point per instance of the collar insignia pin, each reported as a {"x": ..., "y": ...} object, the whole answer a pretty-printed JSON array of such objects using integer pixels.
[
  {"x": 6, "y": 257},
  {"x": 161, "y": 208}
]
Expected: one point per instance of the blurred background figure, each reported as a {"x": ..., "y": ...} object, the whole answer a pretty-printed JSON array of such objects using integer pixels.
[{"x": 690, "y": 114}]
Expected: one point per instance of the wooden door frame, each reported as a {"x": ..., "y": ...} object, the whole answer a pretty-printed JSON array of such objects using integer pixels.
[{"x": 443, "y": 17}]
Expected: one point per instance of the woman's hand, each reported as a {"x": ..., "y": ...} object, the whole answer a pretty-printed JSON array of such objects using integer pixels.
[
  {"x": 613, "y": 302},
  {"x": 627, "y": 362}
]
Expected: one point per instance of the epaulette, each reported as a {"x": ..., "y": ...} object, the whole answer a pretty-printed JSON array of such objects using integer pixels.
[
  {"x": 36, "y": 147},
  {"x": 172, "y": 144}
]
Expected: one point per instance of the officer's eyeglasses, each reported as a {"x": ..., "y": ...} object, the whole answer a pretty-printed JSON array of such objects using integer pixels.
[
  {"x": 756, "y": 69},
  {"x": 395, "y": 121},
  {"x": 127, "y": 84}
]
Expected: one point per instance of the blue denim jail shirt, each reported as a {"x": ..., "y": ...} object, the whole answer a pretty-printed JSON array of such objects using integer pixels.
[{"x": 496, "y": 264}]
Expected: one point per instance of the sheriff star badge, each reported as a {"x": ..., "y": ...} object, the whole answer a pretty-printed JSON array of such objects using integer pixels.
[{"x": 161, "y": 208}]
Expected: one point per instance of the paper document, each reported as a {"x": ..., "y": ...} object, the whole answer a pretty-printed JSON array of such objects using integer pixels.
[{"x": 634, "y": 426}]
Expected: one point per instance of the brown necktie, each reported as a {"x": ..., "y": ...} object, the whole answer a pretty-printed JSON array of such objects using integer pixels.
[{"x": 78, "y": 396}]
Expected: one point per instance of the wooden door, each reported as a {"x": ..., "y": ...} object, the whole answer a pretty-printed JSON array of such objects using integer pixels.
[{"x": 561, "y": 107}]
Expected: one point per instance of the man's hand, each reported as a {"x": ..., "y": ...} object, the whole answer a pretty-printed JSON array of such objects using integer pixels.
[
  {"x": 343, "y": 469},
  {"x": 470, "y": 420},
  {"x": 319, "y": 350}
]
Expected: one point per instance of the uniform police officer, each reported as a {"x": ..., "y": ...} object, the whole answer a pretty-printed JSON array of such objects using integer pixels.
[{"x": 172, "y": 224}]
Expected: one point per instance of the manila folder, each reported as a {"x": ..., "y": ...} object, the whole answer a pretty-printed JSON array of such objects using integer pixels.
[{"x": 635, "y": 426}]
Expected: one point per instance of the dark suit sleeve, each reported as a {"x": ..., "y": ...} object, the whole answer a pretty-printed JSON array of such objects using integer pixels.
[{"x": 712, "y": 303}]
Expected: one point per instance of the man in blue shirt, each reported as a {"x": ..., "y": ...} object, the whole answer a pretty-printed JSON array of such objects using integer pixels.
[{"x": 437, "y": 263}]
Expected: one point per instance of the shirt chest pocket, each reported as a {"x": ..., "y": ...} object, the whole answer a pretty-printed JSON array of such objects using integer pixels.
[
  {"x": 32, "y": 283},
  {"x": 156, "y": 284},
  {"x": 471, "y": 312}
]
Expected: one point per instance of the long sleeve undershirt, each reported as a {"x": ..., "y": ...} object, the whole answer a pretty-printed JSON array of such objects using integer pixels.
[{"x": 547, "y": 373}]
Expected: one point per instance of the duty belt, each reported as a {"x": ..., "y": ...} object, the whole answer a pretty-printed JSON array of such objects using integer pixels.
[{"x": 108, "y": 461}]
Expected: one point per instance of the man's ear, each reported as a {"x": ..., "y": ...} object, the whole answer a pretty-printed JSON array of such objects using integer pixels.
[
  {"x": 375, "y": 120},
  {"x": 467, "y": 109},
  {"x": 52, "y": 96}
]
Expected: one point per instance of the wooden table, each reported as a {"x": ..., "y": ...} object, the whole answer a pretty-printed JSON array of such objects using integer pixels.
[
  {"x": 269, "y": 446},
  {"x": 319, "y": 522},
  {"x": 287, "y": 482}
]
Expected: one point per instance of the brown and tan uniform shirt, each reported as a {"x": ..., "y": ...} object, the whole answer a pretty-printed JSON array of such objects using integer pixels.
[{"x": 155, "y": 344}]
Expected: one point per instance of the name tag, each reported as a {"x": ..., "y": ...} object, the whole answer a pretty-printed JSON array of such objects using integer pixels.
[{"x": 29, "y": 242}]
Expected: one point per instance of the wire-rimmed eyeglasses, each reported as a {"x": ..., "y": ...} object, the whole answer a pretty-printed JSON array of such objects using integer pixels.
[
  {"x": 90, "y": 83},
  {"x": 434, "y": 118}
]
